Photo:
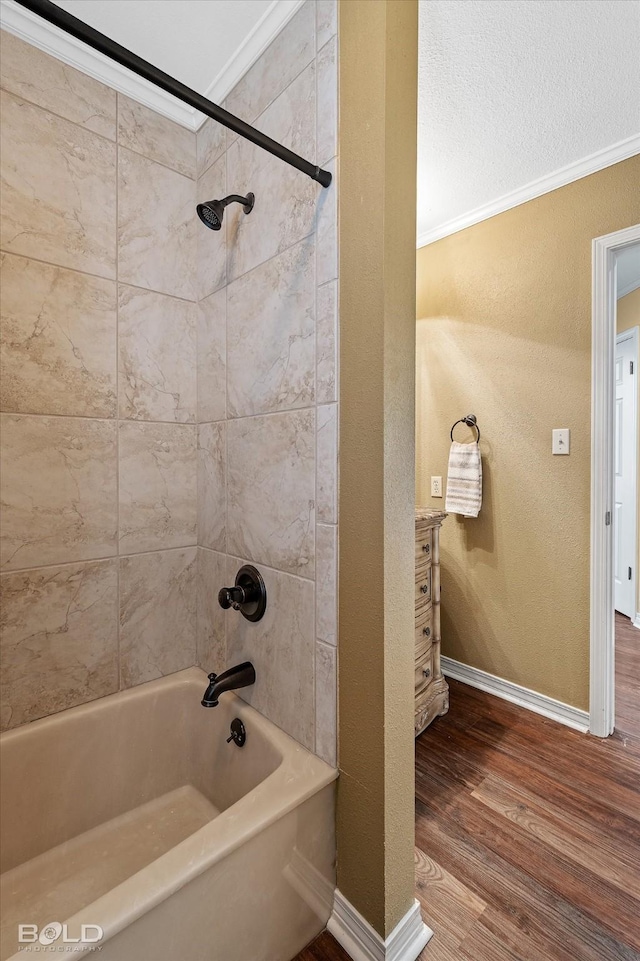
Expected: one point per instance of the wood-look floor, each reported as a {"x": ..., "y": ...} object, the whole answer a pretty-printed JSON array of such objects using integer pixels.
[{"x": 528, "y": 833}]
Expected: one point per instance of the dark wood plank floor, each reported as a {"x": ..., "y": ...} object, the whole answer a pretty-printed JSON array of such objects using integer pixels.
[
  {"x": 527, "y": 833},
  {"x": 627, "y": 676}
]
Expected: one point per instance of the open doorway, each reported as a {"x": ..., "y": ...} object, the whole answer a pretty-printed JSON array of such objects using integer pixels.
[
  {"x": 626, "y": 455},
  {"x": 615, "y": 514}
]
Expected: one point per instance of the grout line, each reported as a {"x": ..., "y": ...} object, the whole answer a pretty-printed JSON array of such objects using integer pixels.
[
  {"x": 257, "y": 563},
  {"x": 108, "y": 280},
  {"x": 267, "y": 260},
  {"x": 118, "y": 387},
  {"x": 315, "y": 397},
  {"x": 227, "y": 283},
  {"x": 50, "y": 263},
  {"x": 33, "y": 103},
  {"x": 97, "y": 560},
  {"x": 116, "y": 419}
]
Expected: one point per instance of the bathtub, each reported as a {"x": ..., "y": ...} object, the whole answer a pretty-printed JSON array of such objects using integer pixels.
[{"x": 129, "y": 823}]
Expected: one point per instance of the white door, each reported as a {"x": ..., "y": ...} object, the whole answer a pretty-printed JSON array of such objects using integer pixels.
[{"x": 625, "y": 473}]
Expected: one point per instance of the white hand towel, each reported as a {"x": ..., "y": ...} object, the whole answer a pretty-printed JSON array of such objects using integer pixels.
[{"x": 464, "y": 480}]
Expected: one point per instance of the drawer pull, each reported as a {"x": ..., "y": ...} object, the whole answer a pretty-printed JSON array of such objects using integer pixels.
[
  {"x": 426, "y": 548},
  {"x": 426, "y": 631},
  {"x": 427, "y": 672},
  {"x": 425, "y": 588}
]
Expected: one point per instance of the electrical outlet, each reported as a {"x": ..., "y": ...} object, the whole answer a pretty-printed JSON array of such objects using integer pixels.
[{"x": 436, "y": 487}]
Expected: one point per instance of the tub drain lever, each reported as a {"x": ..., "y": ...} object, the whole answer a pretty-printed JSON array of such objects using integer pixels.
[{"x": 238, "y": 732}]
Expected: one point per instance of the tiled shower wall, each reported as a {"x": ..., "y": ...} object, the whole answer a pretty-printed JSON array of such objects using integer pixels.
[
  {"x": 267, "y": 393},
  {"x": 138, "y": 422},
  {"x": 98, "y": 389}
]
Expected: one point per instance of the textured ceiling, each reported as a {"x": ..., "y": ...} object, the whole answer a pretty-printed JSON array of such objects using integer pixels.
[
  {"x": 512, "y": 90},
  {"x": 190, "y": 39}
]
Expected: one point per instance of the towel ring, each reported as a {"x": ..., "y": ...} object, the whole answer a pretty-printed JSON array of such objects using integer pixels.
[{"x": 471, "y": 421}]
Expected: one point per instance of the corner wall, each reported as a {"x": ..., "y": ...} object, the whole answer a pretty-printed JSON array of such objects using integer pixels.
[
  {"x": 504, "y": 331},
  {"x": 267, "y": 384},
  {"x": 378, "y": 126}
]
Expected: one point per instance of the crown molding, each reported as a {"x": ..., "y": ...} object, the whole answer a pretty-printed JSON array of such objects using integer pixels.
[
  {"x": 274, "y": 19},
  {"x": 559, "y": 178},
  {"x": 30, "y": 27}
]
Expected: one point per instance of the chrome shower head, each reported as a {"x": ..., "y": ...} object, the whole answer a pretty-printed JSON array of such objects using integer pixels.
[{"x": 211, "y": 212}]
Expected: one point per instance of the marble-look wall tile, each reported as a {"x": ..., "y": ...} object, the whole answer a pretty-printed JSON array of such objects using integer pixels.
[
  {"x": 157, "y": 486},
  {"x": 212, "y": 244},
  {"x": 327, "y": 343},
  {"x": 327, "y": 109},
  {"x": 271, "y": 490},
  {"x": 156, "y": 356},
  {"x": 211, "y": 143},
  {"x": 58, "y": 340},
  {"x": 212, "y": 350},
  {"x": 327, "y": 464},
  {"x": 156, "y": 226},
  {"x": 157, "y": 615},
  {"x": 327, "y": 231},
  {"x": 33, "y": 75},
  {"x": 326, "y": 703},
  {"x": 59, "y": 639},
  {"x": 61, "y": 209},
  {"x": 326, "y": 583},
  {"x": 281, "y": 648},
  {"x": 212, "y": 502},
  {"x": 58, "y": 490},
  {"x": 326, "y": 21},
  {"x": 149, "y": 133},
  {"x": 211, "y": 648},
  {"x": 271, "y": 335},
  {"x": 289, "y": 53},
  {"x": 284, "y": 211}
]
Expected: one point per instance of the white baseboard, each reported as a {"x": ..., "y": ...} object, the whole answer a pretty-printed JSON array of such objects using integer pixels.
[
  {"x": 363, "y": 943},
  {"x": 523, "y": 696},
  {"x": 636, "y": 623}
]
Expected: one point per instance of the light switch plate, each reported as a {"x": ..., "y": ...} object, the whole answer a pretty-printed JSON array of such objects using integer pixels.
[
  {"x": 561, "y": 440},
  {"x": 436, "y": 487}
]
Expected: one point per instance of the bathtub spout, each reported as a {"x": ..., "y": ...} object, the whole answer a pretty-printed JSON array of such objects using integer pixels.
[{"x": 242, "y": 675}]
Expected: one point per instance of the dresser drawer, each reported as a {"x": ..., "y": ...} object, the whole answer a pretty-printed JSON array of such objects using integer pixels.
[
  {"x": 424, "y": 670},
  {"x": 424, "y": 550},
  {"x": 423, "y": 591},
  {"x": 424, "y": 629}
]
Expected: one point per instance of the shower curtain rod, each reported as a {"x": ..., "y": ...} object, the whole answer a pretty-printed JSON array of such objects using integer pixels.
[{"x": 82, "y": 31}]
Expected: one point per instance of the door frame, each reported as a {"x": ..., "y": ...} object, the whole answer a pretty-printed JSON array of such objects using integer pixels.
[
  {"x": 631, "y": 334},
  {"x": 603, "y": 342}
]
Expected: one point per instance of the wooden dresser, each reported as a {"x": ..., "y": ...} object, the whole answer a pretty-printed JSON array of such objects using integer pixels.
[{"x": 432, "y": 691}]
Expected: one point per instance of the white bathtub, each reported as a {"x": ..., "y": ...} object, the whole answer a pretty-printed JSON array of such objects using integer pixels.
[{"x": 131, "y": 815}]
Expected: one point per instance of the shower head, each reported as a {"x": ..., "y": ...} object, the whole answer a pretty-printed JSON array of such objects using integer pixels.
[{"x": 211, "y": 212}]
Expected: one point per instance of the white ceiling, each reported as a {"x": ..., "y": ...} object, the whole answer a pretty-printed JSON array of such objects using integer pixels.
[{"x": 513, "y": 90}]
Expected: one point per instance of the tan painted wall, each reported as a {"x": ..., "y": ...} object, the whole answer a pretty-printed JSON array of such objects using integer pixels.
[
  {"x": 628, "y": 315},
  {"x": 377, "y": 150},
  {"x": 504, "y": 331}
]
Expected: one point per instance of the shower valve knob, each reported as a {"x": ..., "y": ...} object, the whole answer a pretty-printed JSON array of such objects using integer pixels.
[
  {"x": 248, "y": 595},
  {"x": 231, "y": 597}
]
